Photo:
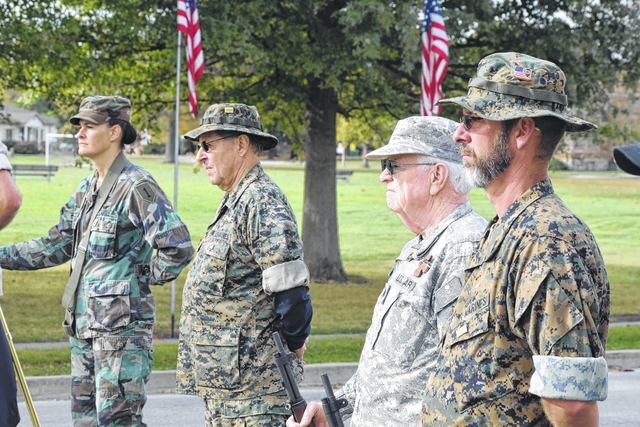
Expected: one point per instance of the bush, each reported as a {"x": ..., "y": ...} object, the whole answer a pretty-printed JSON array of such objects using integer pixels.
[{"x": 26, "y": 147}]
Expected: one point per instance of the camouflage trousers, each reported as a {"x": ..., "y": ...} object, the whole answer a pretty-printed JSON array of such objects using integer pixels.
[
  {"x": 108, "y": 378},
  {"x": 264, "y": 411}
]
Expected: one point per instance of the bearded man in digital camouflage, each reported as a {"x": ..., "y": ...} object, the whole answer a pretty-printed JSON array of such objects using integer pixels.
[
  {"x": 527, "y": 337},
  {"x": 109, "y": 229},
  {"x": 248, "y": 280},
  {"x": 426, "y": 188}
]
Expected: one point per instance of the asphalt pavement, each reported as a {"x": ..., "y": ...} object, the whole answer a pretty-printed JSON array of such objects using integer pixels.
[{"x": 168, "y": 410}]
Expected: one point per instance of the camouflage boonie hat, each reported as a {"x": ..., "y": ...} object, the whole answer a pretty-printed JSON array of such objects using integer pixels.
[
  {"x": 233, "y": 117},
  {"x": 627, "y": 158},
  {"x": 513, "y": 85},
  {"x": 98, "y": 109},
  {"x": 428, "y": 135}
]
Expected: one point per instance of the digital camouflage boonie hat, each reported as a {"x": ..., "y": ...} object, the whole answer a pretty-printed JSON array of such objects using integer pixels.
[
  {"x": 233, "y": 117},
  {"x": 513, "y": 85},
  {"x": 98, "y": 109},
  {"x": 428, "y": 135},
  {"x": 627, "y": 158}
]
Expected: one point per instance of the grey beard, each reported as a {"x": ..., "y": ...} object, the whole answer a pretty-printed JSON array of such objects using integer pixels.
[{"x": 487, "y": 169}]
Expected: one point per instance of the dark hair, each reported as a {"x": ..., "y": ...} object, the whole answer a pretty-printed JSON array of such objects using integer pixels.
[
  {"x": 129, "y": 133},
  {"x": 552, "y": 129},
  {"x": 254, "y": 140}
]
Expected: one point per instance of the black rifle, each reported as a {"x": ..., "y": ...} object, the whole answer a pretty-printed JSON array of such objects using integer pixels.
[
  {"x": 296, "y": 402},
  {"x": 331, "y": 405}
]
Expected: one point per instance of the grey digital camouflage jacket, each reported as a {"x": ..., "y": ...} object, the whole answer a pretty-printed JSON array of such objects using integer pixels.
[
  {"x": 409, "y": 321},
  {"x": 113, "y": 293}
]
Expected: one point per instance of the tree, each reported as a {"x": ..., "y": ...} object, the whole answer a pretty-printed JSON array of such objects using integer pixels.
[{"x": 302, "y": 62}]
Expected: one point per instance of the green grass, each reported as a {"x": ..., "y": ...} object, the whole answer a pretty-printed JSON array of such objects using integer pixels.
[
  {"x": 56, "y": 361},
  {"x": 370, "y": 238}
]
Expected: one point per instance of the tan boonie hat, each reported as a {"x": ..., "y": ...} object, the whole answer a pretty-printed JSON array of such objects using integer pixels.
[
  {"x": 428, "y": 135},
  {"x": 233, "y": 117},
  {"x": 512, "y": 85},
  {"x": 627, "y": 158},
  {"x": 98, "y": 109}
]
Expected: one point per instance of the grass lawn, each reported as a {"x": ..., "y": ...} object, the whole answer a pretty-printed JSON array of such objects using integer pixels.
[{"x": 370, "y": 238}]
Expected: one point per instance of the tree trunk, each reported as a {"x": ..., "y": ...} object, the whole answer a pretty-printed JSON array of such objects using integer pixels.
[{"x": 320, "y": 217}]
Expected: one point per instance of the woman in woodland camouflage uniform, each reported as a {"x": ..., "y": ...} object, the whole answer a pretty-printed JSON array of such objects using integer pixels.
[{"x": 109, "y": 228}]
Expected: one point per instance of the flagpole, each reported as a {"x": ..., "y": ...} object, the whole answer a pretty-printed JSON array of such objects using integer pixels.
[{"x": 175, "y": 172}]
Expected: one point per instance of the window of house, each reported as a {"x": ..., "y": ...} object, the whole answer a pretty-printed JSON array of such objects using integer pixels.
[{"x": 9, "y": 135}]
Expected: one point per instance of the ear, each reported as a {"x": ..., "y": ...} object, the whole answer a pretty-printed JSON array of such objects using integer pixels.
[
  {"x": 524, "y": 131},
  {"x": 244, "y": 145},
  {"x": 438, "y": 177},
  {"x": 115, "y": 132}
]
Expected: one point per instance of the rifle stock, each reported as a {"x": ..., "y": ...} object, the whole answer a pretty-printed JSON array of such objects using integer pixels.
[{"x": 296, "y": 402}]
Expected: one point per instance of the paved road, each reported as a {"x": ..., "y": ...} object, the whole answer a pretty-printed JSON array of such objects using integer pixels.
[{"x": 169, "y": 410}]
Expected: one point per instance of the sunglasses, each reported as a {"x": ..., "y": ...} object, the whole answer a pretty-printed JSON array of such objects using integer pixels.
[
  {"x": 206, "y": 144},
  {"x": 392, "y": 166},
  {"x": 467, "y": 121}
]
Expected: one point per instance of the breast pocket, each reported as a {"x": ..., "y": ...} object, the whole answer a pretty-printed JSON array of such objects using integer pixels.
[
  {"x": 102, "y": 240},
  {"x": 478, "y": 375},
  {"x": 217, "y": 356},
  {"x": 212, "y": 265},
  {"x": 109, "y": 305}
]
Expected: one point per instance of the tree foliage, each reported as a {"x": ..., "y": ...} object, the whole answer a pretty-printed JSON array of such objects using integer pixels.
[{"x": 302, "y": 62}]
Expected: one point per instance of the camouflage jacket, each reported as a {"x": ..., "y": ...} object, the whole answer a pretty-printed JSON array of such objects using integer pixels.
[
  {"x": 408, "y": 321},
  {"x": 113, "y": 293},
  {"x": 226, "y": 347},
  {"x": 531, "y": 321}
]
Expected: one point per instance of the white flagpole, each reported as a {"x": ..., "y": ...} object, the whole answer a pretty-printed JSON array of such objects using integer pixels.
[{"x": 175, "y": 172}]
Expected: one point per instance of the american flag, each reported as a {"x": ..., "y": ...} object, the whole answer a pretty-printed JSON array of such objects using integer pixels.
[
  {"x": 435, "y": 58},
  {"x": 189, "y": 24}
]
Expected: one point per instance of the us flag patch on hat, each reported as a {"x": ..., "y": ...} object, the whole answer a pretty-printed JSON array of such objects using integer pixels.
[{"x": 521, "y": 73}]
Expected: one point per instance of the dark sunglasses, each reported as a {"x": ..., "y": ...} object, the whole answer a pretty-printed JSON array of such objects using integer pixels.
[
  {"x": 206, "y": 144},
  {"x": 392, "y": 166},
  {"x": 467, "y": 121}
]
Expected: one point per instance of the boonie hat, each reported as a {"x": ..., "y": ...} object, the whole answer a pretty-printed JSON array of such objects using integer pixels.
[
  {"x": 512, "y": 85},
  {"x": 98, "y": 109},
  {"x": 233, "y": 117},
  {"x": 627, "y": 157},
  {"x": 428, "y": 135}
]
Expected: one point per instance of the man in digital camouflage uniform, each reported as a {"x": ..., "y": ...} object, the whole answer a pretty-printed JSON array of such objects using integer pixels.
[
  {"x": 527, "y": 337},
  {"x": 627, "y": 157},
  {"x": 248, "y": 280},
  {"x": 426, "y": 188},
  {"x": 10, "y": 201},
  {"x": 111, "y": 324}
]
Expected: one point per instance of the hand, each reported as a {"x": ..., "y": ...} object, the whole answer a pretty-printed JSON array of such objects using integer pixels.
[
  {"x": 300, "y": 352},
  {"x": 313, "y": 412}
]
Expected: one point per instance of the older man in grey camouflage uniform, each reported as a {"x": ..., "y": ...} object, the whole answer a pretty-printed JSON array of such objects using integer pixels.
[
  {"x": 426, "y": 188},
  {"x": 528, "y": 334},
  {"x": 10, "y": 201},
  {"x": 248, "y": 280},
  {"x": 112, "y": 311}
]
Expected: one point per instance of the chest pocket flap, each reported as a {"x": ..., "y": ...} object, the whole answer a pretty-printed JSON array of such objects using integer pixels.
[
  {"x": 474, "y": 322},
  {"x": 102, "y": 241}
]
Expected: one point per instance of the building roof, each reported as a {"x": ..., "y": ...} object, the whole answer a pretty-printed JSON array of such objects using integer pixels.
[{"x": 19, "y": 116}]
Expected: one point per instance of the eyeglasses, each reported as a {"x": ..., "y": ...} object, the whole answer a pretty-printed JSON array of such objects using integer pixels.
[
  {"x": 467, "y": 121},
  {"x": 206, "y": 144},
  {"x": 393, "y": 166}
]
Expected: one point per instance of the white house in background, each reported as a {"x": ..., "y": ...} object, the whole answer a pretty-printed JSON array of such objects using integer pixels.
[{"x": 20, "y": 125}]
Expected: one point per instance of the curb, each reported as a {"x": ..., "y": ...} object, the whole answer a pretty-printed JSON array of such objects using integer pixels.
[{"x": 57, "y": 387}]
